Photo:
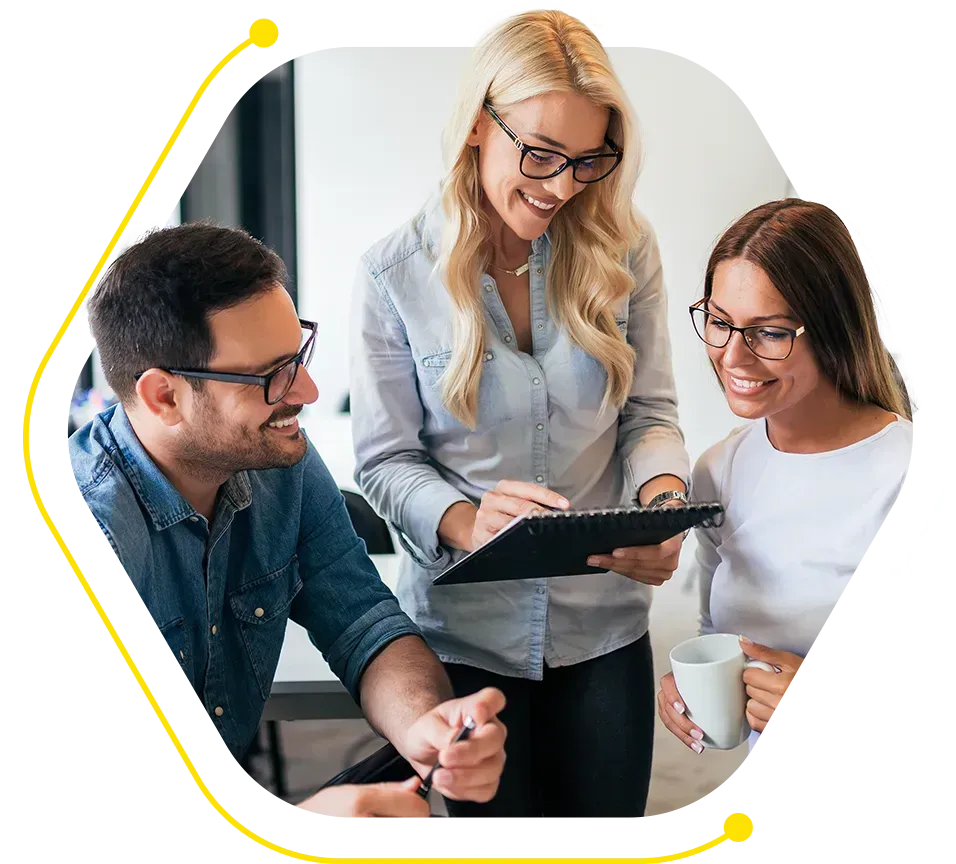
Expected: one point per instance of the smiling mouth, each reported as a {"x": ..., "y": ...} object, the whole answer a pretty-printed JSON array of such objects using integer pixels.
[
  {"x": 537, "y": 203},
  {"x": 748, "y": 385},
  {"x": 285, "y": 423}
]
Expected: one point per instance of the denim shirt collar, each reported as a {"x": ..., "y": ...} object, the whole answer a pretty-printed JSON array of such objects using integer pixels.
[
  {"x": 164, "y": 503},
  {"x": 433, "y": 226}
]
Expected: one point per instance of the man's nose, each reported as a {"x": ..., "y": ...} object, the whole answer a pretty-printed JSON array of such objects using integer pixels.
[{"x": 303, "y": 390}]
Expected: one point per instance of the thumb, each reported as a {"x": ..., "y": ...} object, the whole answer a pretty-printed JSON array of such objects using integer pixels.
[
  {"x": 394, "y": 799},
  {"x": 482, "y": 707},
  {"x": 412, "y": 783},
  {"x": 780, "y": 659}
]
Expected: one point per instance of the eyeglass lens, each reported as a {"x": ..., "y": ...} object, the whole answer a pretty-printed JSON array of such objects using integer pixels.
[{"x": 770, "y": 343}]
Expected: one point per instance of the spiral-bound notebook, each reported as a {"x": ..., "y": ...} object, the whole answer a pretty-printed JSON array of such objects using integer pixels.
[{"x": 558, "y": 543}]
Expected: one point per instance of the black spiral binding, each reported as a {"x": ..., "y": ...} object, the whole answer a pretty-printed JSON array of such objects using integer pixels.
[{"x": 541, "y": 522}]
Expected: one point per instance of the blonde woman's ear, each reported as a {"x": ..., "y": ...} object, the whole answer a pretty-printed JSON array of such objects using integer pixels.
[{"x": 474, "y": 137}]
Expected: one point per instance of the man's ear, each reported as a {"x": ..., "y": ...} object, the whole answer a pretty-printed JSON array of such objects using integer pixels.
[{"x": 161, "y": 395}]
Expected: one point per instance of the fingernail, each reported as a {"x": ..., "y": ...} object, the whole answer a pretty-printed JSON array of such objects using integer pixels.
[
  {"x": 593, "y": 562},
  {"x": 745, "y": 639},
  {"x": 697, "y": 747},
  {"x": 563, "y": 502},
  {"x": 617, "y": 553},
  {"x": 696, "y": 733},
  {"x": 678, "y": 708}
]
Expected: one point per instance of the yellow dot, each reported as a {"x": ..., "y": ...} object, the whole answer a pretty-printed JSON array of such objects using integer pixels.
[
  {"x": 738, "y": 827},
  {"x": 263, "y": 33}
]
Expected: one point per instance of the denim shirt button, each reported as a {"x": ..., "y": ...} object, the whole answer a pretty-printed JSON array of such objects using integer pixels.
[
  {"x": 540, "y": 427},
  {"x": 539, "y": 479},
  {"x": 259, "y": 612},
  {"x": 213, "y": 629},
  {"x": 218, "y": 712},
  {"x": 535, "y": 380},
  {"x": 539, "y": 271},
  {"x": 193, "y": 518},
  {"x": 489, "y": 356},
  {"x": 540, "y": 326},
  {"x": 487, "y": 288},
  {"x": 507, "y": 338}
]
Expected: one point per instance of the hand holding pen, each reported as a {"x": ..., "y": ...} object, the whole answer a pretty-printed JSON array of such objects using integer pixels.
[
  {"x": 458, "y": 747},
  {"x": 468, "y": 726}
]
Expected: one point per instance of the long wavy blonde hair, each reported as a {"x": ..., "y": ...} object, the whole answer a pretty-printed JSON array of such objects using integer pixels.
[{"x": 527, "y": 56}]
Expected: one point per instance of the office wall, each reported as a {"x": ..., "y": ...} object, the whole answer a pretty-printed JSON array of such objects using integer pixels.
[{"x": 368, "y": 127}]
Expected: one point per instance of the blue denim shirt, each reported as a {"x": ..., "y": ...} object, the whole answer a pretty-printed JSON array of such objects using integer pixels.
[
  {"x": 539, "y": 420},
  {"x": 280, "y": 546}
]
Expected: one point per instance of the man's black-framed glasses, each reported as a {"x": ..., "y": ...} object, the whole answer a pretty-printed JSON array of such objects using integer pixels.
[
  {"x": 540, "y": 163},
  {"x": 767, "y": 342},
  {"x": 277, "y": 383}
]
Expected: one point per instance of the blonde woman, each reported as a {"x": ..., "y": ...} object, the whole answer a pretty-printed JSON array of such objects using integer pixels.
[{"x": 510, "y": 351}]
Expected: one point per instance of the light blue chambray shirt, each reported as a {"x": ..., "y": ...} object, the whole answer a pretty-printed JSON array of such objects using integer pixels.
[{"x": 539, "y": 420}]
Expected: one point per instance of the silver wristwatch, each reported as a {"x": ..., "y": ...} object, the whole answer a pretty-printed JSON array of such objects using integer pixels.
[
  {"x": 660, "y": 500},
  {"x": 664, "y": 497}
]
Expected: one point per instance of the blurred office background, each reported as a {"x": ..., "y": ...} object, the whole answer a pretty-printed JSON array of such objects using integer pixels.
[{"x": 329, "y": 153}]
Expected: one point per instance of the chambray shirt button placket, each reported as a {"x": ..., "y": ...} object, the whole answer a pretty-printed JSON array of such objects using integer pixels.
[{"x": 539, "y": 465}]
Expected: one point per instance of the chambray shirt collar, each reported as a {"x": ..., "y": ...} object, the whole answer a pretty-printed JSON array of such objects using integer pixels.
[
  {"x": 164, "y": 503},
  {"x": 434, "y": 226}
]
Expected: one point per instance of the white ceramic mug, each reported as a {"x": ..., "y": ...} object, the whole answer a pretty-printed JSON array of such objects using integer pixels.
[{"x": 709, "y": 674}]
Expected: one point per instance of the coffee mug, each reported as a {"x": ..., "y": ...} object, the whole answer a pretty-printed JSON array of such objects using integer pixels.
[{"x": 709, "y": 674}]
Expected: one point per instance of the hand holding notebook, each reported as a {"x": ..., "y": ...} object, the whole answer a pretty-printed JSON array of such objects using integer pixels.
[
  {"x": 509, "y": 500},
  {"x": 538, "y": 543}
]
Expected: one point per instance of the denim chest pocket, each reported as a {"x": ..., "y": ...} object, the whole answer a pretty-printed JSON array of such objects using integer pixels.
[
  {"x": 174, "y": 632},
  {"x": 493, "y": 404},
  {"x": 261, "y": 610}
]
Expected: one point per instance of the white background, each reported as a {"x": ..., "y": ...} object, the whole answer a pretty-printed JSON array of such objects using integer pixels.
[{"x": 857, "y": 763}]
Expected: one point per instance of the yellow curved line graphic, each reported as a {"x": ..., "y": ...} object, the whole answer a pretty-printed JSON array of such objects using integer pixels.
[{"x": 263, "y": 33}]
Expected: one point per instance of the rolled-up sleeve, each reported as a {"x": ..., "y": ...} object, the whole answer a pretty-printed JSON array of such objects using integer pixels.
[
  {"x": 349, "y": 612},
  {"x": 392, "y": 467},
  {"x": 649, "y": 438}
]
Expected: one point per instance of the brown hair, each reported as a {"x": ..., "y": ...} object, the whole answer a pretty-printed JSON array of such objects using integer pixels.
[
  {"x": 809, "y": 256},
  {"x": 152, "y": 308}
]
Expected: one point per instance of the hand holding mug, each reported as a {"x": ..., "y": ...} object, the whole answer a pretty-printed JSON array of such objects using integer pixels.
[
  {"x": 706, "y": 694},
  {"x": 764, "y": 689}
]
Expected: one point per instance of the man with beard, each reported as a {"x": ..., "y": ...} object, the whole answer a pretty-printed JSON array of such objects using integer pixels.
[{"x": 228, "y": 522}]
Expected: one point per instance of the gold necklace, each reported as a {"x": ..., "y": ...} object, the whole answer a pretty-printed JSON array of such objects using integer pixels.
[{"x": 518, "y": 272}]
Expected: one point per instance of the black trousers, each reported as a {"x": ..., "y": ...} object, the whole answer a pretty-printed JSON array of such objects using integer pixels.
[{"x": 579, "y": 742}]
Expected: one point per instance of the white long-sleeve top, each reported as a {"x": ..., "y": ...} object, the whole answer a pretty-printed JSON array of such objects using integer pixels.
[{"x": 796, "y": 526}]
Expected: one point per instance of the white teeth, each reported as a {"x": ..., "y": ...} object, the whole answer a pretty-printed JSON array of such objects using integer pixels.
[
  {"x": 747, "y": 385},
  {"x": 539, "y": 204},
  {"x": 281, "y": 424}
]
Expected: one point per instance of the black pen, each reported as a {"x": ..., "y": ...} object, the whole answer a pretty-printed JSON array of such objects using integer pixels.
[{"x": 467, "y": 728}]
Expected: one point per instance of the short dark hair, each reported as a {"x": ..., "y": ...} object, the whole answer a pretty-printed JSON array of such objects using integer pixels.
[
  {"x": 152, "y": 307},
  {"x": 808, "y": 254}
]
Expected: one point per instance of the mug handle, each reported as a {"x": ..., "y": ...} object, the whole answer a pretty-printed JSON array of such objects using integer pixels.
[{"x": 759, "y": 664}]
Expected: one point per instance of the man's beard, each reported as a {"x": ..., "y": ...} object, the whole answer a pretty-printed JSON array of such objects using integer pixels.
[{"x": 222, "y": 449}]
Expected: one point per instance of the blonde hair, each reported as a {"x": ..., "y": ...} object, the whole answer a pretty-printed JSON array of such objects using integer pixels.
[{"x": 526, "y": 56}]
